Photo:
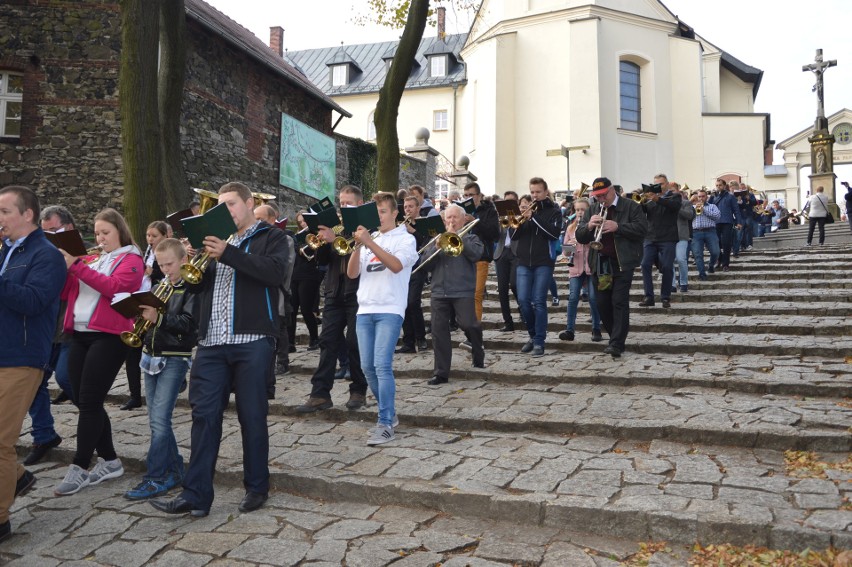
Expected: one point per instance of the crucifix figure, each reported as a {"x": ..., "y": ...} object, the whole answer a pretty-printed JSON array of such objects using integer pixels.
[{"x": 818, "y": 68}]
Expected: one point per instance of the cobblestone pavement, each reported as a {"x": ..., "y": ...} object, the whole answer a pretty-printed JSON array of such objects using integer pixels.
[
  {"x": 682, "y": 440},
  {"x": 99, "y": 527}
]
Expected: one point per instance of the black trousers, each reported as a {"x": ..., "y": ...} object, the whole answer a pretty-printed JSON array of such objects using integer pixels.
[
  {"x": 465, "y": 312},
  {"x": 93, "y": 362},
  {"x": 414, "y": 326},
  {"x": 134, "y": 373},
  {"x": 614, "y": 308},
  {"x": 304, "y": 299},
  {"x": 813, "y": 222},
  {"x": 726, "y": 242},
  {"x": 506, "y": 266},
  {"x": 338, "y": 316}
]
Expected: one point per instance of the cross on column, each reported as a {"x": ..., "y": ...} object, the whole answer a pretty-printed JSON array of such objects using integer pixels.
[{"x": 818, "y": 68}]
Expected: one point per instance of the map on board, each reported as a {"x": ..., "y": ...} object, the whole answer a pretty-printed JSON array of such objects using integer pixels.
[{"x": 308, "y": 159}]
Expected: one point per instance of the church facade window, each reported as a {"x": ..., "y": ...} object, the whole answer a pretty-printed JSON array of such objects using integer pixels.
[{"x": 630, "y": 91}]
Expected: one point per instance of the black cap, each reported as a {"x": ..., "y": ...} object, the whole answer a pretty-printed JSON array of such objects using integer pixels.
[{"x": 600, "y": 185}]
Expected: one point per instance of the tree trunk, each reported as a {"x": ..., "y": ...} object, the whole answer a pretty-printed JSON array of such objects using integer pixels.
[
  {"x": 170, "y": 90},
  {"x": 140, "y": 128},
  {"x": 387, "y": 109}
]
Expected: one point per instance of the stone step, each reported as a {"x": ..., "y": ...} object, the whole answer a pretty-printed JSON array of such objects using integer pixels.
[
  {"x": 755, "y": 373},
  {"x": 648, "y": 490},
  {"x": 731, "y": 293},
  {"x": 659, "y": 321},
  {"x": 714, "y": 342},
  {"x": 641, "y": 413},
  {"x": 770, "y": 309}
]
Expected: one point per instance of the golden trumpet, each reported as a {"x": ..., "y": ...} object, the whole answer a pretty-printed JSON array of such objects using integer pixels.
[
  {"x": 597, "y": 243},
  {"x": 133, "y": 338}
]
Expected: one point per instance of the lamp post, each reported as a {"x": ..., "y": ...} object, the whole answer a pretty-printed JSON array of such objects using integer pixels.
[{"x": 566, "y": 151}]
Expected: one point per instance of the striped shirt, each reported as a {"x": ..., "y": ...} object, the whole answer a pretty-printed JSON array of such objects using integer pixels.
[
  {"x": 220, "y": 328},
  {"x": 708, "y": 217}
]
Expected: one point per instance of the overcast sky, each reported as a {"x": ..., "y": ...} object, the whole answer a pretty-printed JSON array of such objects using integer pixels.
[{"x": 776, "y": 36}]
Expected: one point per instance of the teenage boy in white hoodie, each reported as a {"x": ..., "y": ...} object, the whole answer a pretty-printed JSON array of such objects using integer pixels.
[{"x": 384, "y": 265}]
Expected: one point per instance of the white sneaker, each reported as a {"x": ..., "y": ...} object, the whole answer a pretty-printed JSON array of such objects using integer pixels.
[
  {"x": 75, "y": 480},
  {"x": 105, "y": 470},
  {"x": 381, "y": 434},
  {"x": 394, "y": 422}
]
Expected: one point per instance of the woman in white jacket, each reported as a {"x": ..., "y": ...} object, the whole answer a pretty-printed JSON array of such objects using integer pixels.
[{"x": 817, "y": 208}]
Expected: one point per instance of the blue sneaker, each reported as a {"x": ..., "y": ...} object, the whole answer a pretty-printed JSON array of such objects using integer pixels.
[{"x": 147, "y": 489}]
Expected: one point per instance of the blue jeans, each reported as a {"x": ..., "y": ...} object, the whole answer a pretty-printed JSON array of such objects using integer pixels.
[
  {"x": 745, "y": 236},
  {"x": 553, "y": 288},
  {"x": 40, "y": 414},
  {"x": 574, "y": 287},
  {"x": 532, "y": 285},
  {"x": 377, "y": 336},
  {"x": 681, "y": 259},
  {"x": 662, "y": 254},
  {"x": 215, "y": 371},
  {"x": 161, "y": 392},
  {"x": 700, "y": 239}
]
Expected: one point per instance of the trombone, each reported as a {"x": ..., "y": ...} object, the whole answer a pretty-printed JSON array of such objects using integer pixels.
[
  {"x": 510, "y": 221},
  {"x": 133, "y": 339},
  {"x": 450, "y": 243},
  {"x": 523, "y": 217}
]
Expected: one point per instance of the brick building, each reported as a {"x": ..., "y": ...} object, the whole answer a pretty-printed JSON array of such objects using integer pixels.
[{"x": 60, "y": 126}]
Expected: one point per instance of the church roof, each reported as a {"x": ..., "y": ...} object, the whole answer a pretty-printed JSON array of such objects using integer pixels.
[
  {"x": 842, "y": 114},
  {"x": 245, "y": 41},
  {"x": 743, "y": 71},
  {"x": 370, "y": 58}
]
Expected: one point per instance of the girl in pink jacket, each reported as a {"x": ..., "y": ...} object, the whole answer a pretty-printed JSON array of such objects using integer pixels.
[
  {"x": 97, "y": 352},
  {"x": 580, "y": 276}
]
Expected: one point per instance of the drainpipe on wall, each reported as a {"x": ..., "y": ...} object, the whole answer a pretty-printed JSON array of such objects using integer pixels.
[{"x": 455, "y": 93}]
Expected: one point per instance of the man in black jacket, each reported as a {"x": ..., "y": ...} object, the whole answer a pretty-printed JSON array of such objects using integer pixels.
[
  {"x": 536, "y": 239},
  {"x": 338, "y": 317},
  {"x": 238, "y": 324},
  {"x": 624, "y": 229},
  {"x": 506, "y": 263},
  {"x": 488, "y": 231},
  {"x": 662, "y": 210}
]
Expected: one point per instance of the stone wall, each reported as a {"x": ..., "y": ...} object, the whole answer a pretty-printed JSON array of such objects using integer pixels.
[
  {"x": 69, "y": 150},
  {"x": 70, "y": 147}
]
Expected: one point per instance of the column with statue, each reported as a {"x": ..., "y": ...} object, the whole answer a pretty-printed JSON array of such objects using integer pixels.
[{"x": 822, "y": 142}]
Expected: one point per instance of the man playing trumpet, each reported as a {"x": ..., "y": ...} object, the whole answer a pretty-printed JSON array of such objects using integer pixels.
[
  {"x": 453, "y": 290},
  {"x": 624, "y": 227}
]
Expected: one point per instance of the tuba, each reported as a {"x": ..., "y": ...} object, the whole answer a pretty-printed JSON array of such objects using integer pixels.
[
  {"x": 133, "y": 339},
  {"x": 206, "y": 199}
]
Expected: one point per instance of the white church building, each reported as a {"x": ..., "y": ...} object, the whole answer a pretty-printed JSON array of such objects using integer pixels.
[{"x": 640, "y": 90}]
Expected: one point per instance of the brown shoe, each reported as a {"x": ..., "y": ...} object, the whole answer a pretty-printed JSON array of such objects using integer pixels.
[
  {"x": 314, "y": 404},
  {"x": 356, "y": 401}
]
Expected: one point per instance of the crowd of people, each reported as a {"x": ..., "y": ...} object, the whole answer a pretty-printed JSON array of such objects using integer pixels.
[{"x": 234, "y": 328}]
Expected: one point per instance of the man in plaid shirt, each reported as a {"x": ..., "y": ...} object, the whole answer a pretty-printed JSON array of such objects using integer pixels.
[{"x": 238, "y": 323}]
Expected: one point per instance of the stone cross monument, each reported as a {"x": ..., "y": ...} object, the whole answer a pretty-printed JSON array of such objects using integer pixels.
[{"x": 822, "y": 142}]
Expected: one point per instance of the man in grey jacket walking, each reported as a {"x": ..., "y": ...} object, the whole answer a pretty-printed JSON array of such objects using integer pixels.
[{"x": 453, "y": 289}]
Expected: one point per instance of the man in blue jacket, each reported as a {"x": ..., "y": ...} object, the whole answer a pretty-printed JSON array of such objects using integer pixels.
[
  {"x": 32, "y": 273},
  {"x": 729, "y": 216}
]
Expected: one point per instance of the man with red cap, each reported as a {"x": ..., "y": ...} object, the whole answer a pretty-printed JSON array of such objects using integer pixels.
[{"x": 614, "y": 259}]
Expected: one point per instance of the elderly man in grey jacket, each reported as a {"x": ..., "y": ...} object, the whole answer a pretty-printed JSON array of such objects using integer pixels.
[{"x": 453, "y": 289}]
